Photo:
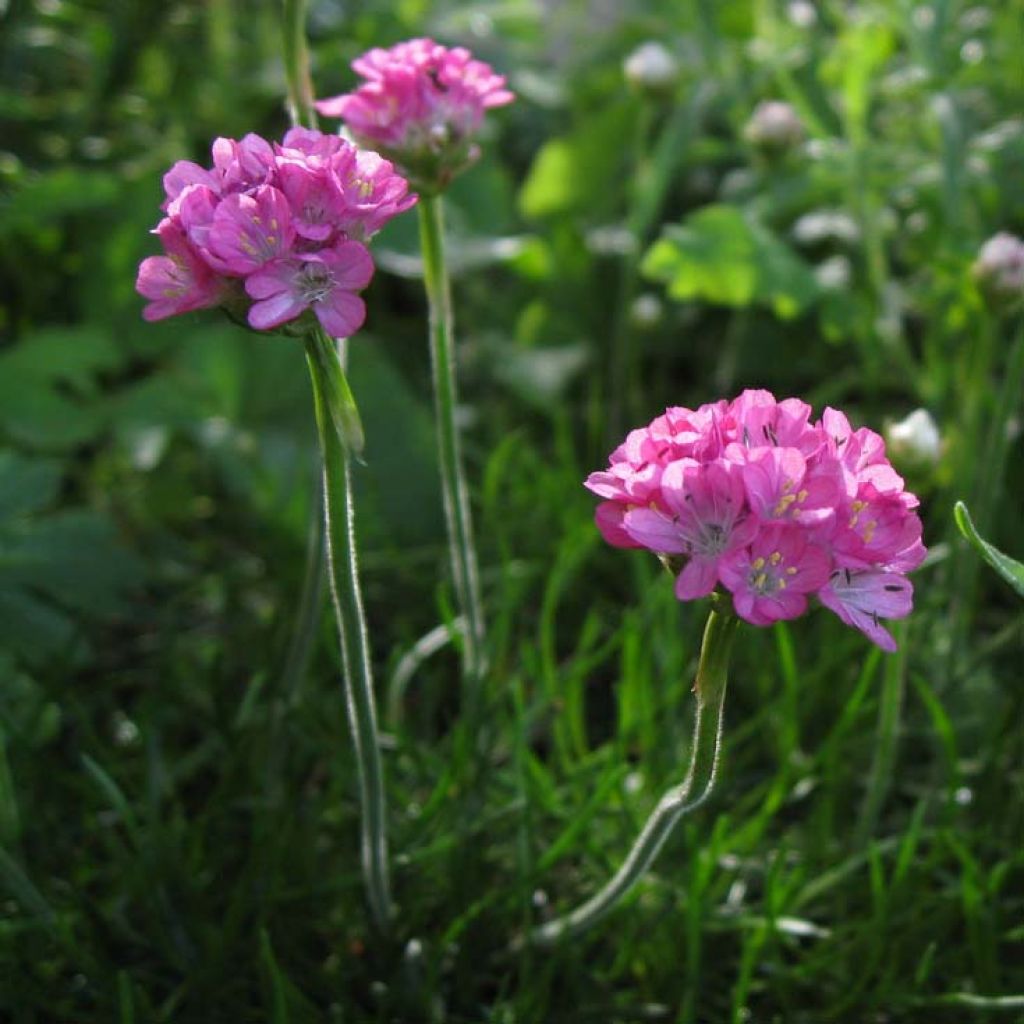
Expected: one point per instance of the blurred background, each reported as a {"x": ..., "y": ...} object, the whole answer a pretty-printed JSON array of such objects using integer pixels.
[{"x": 790, "y": 195}]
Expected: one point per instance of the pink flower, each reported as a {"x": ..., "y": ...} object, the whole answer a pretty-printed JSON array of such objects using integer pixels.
[
  {"x": 421, "y": 105},
  {"x": 325, "y": 282},
  {"x": 756, "y": 497},
  {"x": 251, "y": 230},
  {"x": 782, "y": 485},
  {"x": 706, "y": 519},
  {"x": 287, "y": 219},
  {"x": 770, "y": 579},
  {"x": 179, "y": 281},
  {"x": 860, "y": 597}
]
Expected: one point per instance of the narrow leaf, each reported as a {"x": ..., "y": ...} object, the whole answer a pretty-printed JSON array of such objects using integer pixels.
[{"x": 1010, "y": 569}]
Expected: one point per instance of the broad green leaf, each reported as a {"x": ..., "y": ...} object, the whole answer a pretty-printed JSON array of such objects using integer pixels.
[
  {"x": 26, "y": 484},
  {"x": 722, "y": 255},
  {"x": 46, "y": 382},
  {"x": 579, "y": 172},
  {"x": 1009, "y": 568},
  {"x": 53, "y": 566}
]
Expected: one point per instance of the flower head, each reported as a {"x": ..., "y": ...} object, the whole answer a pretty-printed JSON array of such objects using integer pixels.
[
  {"x": 756, "y": 497},
  {"x": 273, "y": 230},
  {"x": 421, "y": 105}
]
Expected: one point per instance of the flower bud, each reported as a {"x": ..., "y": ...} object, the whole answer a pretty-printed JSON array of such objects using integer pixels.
[
  {"x": 999, "y": 270},
  {"x": 774, "y": 128},
  {"x": 646, "y": 312},
  {"x": 914, "y": 442},
  {"x": 652, "y": 69}
]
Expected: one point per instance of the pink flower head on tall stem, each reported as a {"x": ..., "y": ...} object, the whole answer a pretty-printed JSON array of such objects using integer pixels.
[
  {"x": 271, "y": 231},
  {"x": 757, "y": 498},
  {"x": 421, "y": 105}
]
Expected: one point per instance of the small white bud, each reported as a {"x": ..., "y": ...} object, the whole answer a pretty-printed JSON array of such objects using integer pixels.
[
  {"x": 914, "y": 441},
  {"x": 651, "y": 68},
  {"x": 999, "y": 269},
  {"x": 774, "y": 127}
]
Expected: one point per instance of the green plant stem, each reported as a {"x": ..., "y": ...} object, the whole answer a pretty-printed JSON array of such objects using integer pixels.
[
  {"x": 887, "y": 734},
  {"x": 456, "y": 495},
  {"x": 339, "y": 515},
  {"x": 712, "y": 674},
  {"x": 296, "y": 64}
]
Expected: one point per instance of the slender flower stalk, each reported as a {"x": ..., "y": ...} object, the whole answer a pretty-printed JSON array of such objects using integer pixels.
[
  {"x": 709, "y": 689},
  {"x": 422, "y": 104},
  {"x": 453, "y": 481},
  {"x": 296, "y": 64},
  {"x": 339, "y": 515}
]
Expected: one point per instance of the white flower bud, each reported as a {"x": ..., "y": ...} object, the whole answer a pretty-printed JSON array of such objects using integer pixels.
[
  {"x": 914, "y": 441},
  {"x": 774, "y": 127},
  {"x": 999, "y": 269},
  {"x": 651, "y": 68}
]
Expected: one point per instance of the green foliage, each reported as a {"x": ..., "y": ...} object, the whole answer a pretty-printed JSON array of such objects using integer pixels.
[{"x": 722, "y": 256}]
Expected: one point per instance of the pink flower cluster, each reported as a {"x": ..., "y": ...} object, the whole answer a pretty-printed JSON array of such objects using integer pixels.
[
  {"x": 755, "y": 497},
  {"x": 270, "y": 231},
  {"x": 421, "y": 104}
]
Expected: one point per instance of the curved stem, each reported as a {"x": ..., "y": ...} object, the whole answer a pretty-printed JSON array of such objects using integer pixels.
[
  {"x": 296, "y": 64},
  {"x": 456, "y": 495},
  {"x": 339, "y": 514},
  {"x": 709, "y": 689}
]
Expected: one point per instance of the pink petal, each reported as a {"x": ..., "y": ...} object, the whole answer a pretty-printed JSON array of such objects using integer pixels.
[
  {"x": 341, "y": 313},
  {"x": 275, "y": 311}
]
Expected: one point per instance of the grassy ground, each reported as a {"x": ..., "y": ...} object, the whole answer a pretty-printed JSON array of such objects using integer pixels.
[{"x": 178, "y": 830}]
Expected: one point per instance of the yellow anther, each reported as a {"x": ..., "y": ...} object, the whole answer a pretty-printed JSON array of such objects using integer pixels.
[
  {"x": 801, "y": 495},
  {"x": 780, "y": 584},
  {"x": 791, "y": 571},
  {"x": 757, "y": 564},
  {"x": 775, "y": 557},
  {"x": 783, "y": 504},
  {"x": 759, "y": 580}
]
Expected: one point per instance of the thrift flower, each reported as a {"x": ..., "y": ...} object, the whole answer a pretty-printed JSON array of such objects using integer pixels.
[
  {"x": 421, "y": 106},
  {"x": 271, "y": 231},
  {"x": 756, "y": 497},
  {"x": 179, "y": 281}
]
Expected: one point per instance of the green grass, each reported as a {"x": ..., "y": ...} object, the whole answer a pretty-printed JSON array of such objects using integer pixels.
[{"x": 178, "y": 813}]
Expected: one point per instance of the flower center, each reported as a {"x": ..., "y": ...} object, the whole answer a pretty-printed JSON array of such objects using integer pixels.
[
  {"x": 314, "y": 281},
  {"x": 768, "y": 575}
]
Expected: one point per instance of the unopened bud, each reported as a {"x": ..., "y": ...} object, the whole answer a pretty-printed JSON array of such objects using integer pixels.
[
  {"x": 999, "y": 270},
  {"x": 774, "y": 128},
  {"x": 651, "y": 68},
  {"x": 646, "y": 312},
  {"x": 914, "y": 442}
]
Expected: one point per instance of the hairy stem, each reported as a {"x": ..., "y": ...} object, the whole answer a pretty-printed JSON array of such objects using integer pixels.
[
  {"x": 453, "y": 482},
  {"x": 709, "y": 689},
  {"x": 339, "y": 516},
  {"x": 296, "y": 64}
]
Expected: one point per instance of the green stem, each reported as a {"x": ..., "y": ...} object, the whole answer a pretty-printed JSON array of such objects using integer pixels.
[
  {"x": 712, "y": 673},
  {"x": 339, "y": 514},
  {"x": 296, "y": 64},
  {"x": 886, "y": 742},
  {"x": 456, "y": 495}
]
